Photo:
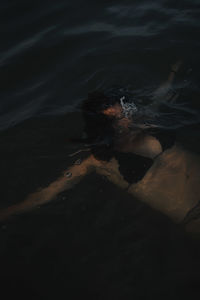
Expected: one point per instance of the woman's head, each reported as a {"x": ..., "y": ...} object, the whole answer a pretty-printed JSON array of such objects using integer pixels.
[{"x": 103, "y": 114}]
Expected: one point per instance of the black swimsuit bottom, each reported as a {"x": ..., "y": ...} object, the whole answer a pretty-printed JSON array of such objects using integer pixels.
[{"x": 133, "y": 167}]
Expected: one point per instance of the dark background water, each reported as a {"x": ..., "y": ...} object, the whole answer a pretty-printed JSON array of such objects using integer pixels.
[
  {"x": 94, "y": 241},
  {"x": 52, "y": 54}
]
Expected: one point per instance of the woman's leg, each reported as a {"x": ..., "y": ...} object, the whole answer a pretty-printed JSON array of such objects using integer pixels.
[{"x": 163, "y": 92}]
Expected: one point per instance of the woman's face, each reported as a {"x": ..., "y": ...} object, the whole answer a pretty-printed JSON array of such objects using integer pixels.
[{"x": 114, "y": 111}]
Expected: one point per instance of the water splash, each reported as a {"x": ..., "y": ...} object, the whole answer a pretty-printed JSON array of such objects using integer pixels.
[{"x": 129, "y": 109}]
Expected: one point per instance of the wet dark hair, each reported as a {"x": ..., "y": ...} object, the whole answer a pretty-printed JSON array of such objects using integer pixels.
[
  {"x": 97, "y": 101},
  {"x": 98, "y": 127}
]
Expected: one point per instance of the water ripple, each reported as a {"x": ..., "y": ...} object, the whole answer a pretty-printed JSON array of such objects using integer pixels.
[
  {"x": 114, "y": 30},
  {"x": 24, "y": 45}
]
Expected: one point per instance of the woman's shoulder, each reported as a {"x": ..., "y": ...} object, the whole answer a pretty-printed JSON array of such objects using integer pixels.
[{"x": 166, "y": 137}]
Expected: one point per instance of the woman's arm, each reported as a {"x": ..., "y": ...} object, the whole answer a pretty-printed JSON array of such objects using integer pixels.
[{"x": 70, "y": 178}]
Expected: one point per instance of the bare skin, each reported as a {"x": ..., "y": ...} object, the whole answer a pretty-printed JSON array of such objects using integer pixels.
[
  {"x": 113, "y": 111},
  {"x": 144, "y": 145},
  {"x": 132, "y": 141},
  {"x": 171, "y": 185},
  {"x": 163, "y": 92},
  {"x": 110, "y": 170}
]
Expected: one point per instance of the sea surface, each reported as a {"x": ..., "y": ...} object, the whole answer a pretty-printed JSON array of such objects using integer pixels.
[
  {"x": 94, "y": 241},
  {"x": 53, "y": 53}
]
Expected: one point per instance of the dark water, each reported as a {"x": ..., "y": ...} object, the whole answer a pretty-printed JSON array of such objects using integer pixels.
[
  {"x": 52, "y": 54},
  {"x": 94, "y": 241}
]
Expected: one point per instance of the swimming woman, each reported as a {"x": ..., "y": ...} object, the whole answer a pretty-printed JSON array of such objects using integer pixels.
[{"x": 159, "y": 173}]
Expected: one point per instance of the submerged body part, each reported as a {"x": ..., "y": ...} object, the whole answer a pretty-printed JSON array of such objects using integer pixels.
[
  {"x": 170, "y": 185},
  {"x": 157, "y": 171}
]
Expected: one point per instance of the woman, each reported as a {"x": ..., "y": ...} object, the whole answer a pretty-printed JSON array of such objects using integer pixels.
[{"x": 120, "y": 134}]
